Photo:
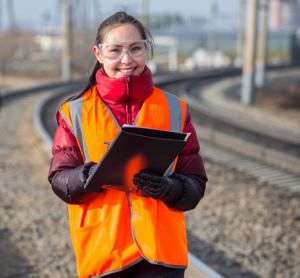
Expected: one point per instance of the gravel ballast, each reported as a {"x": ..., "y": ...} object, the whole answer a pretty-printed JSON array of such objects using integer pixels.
[{"x": 242, "y": 228}]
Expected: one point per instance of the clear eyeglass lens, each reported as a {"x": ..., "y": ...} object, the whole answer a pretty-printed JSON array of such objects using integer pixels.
[{"x": 112, "y": 51}]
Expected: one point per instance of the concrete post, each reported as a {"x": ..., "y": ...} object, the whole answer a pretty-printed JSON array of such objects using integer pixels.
[
  {"x": 241, "y": 29},
  {"x": 173, "y": 58},
  {"x": 260, "y": 72},
  {"x": 248, "y": 89},
  {"x": 66, "y": 53},
  {"x": 144, "y": 12},
  {"x": 11, "y": 13}
]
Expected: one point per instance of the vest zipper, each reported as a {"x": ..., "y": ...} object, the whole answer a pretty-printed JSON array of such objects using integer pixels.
[{"x": 129, "y": 112}]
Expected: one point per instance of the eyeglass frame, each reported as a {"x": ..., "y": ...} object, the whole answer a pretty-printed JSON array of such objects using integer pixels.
[{"x": 101, "y": 45}]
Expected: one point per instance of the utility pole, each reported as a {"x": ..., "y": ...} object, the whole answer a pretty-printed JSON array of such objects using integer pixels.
[
  {"x": 260, "y": 73},
  {"x": 11, "y": 13},
  {"x": 84, "y": 18},
  {"x": 67, "y": 30},
  {"x": 248, "y": 89},
  {"x": 97, "y": 12},
  {"x": 240, "y": 33},
  {"x": 212, "y": 34},
  {"x": 173, "y": 58},
  {"x": 144, "y": 12},
  {"x": 1, "y": 16}
]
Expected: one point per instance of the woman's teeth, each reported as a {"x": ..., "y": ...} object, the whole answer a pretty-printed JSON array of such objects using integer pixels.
[{"x": 126, "y": 71}]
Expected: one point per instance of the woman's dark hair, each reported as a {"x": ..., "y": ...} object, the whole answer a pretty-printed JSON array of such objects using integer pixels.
[
  {"x": 115, "y": 20},
  {"x": 118, "y": 19}
]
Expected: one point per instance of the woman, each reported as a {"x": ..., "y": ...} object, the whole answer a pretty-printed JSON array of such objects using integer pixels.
[{"x": 117, "y": 233}]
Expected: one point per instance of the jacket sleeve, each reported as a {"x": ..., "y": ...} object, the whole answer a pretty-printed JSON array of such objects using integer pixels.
[
  {"x": 66, "y": 173},
  {"x": 190, "y": 170}
]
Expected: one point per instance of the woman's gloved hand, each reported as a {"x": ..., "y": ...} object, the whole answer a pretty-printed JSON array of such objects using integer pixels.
[
  {"x": 78, "y": 177},
  {"x": 165, "y": 188},
  {"x": 92, "y": 168}
]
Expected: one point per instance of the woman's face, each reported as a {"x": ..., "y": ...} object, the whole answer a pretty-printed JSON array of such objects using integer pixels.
[{"x": 123, "y": 52}]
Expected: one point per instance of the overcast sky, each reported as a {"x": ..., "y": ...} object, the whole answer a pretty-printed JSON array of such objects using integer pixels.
[{"x": 33, "y": 13}]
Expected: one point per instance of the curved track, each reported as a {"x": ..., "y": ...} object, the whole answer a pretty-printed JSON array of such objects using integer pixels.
[
  {"x": 45, "y": 123},
  {"x": 243, "y": 158},
  {"x": 272, "y": 157}
]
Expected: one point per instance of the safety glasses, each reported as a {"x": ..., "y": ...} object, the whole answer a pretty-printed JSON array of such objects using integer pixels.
[{"x": 116, "y": 51}]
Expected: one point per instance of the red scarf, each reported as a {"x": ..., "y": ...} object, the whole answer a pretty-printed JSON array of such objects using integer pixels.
[{"x": 124, "y": 99}]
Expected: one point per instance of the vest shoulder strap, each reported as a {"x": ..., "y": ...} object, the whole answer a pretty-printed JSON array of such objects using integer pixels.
[
  {"x": 178, "y": 111},
  {"x": 71, "y": 111}
]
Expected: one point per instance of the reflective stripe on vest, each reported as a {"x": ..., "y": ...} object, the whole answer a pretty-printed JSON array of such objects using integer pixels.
[
  {"x": 76, "y": 116},
  {"x": 114, "y": 229}
]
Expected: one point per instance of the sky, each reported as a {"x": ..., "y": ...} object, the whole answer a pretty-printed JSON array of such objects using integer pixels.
[{"x": 33, "y": 13}]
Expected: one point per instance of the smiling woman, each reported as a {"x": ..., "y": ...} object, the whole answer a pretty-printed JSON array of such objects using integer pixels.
[
  {"x": 118, "y": 232},
  {"x": 122, "y": 51}
]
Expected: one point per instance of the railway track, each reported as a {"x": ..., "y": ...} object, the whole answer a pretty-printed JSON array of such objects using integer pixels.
[
  {"x": 265, "y": 171},
  {"x": 45, "y": 122},
  {"x": 269, "y": 153},
  {"x": 269, "y": 156}
]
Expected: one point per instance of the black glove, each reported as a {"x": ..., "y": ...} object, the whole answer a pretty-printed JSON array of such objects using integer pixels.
[
  {"x": 78, "y": 177},
  {"x": 166, "y": 188},
  {"x": 92, "y": 168}
]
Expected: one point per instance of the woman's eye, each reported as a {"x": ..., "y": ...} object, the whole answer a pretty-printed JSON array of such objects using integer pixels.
[
  {"x": 136, "y": 48},
  {"x": 115, "y": 50}
]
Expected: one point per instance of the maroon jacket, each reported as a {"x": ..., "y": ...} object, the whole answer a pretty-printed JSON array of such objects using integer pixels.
[{"x": 125, "y": 105}]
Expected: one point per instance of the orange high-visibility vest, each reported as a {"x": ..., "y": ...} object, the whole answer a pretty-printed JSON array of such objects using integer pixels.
[{"x": 116, "y": 229}]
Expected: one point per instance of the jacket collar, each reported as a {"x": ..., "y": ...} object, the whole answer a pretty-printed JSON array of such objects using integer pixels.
[{"x": 117, "y": 90}]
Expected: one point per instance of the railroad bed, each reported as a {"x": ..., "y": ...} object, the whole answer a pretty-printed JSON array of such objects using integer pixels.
[{"x": 242, "y": 228}]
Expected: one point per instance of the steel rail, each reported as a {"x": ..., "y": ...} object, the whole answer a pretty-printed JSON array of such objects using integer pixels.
[
  {"x": 59, "y": 89},
  {"x": 256, "y": 139},
  {"x": 262, "y": 171},
  {"x": 197, "y": 268},
  {"x": 191, "y": 93}
]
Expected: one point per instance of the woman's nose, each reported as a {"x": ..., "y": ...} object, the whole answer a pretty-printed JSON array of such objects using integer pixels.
[{"x": 126, "y": 57}]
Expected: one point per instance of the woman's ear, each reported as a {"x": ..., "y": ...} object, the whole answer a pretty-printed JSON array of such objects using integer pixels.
[{"x": 97, "y": 54}]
